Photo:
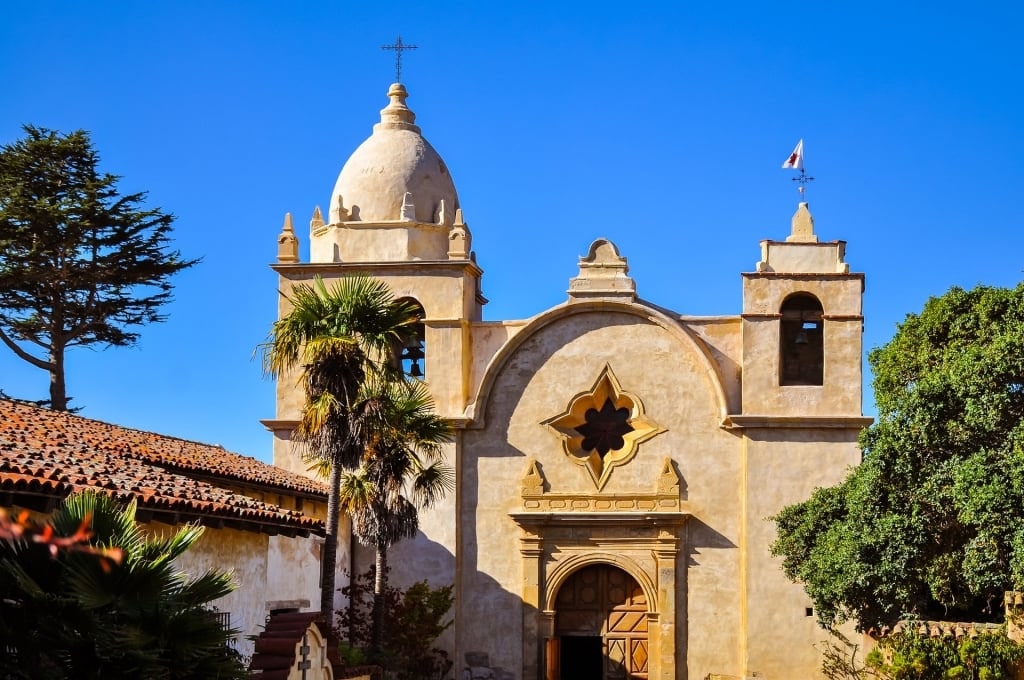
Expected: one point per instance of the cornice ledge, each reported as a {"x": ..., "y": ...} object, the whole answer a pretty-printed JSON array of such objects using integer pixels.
[
  {"x": 278, "y": 424},
  {"x": 737, "y": 421},
  {"x": 651, "y": 518},
  {"x": 316, "y": 267}
]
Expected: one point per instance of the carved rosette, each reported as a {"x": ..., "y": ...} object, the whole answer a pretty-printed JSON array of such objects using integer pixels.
[{"x": 603, "y": 427}]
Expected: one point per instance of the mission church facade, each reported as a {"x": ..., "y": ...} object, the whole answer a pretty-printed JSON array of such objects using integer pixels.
[{"x": 616, "y": 461}]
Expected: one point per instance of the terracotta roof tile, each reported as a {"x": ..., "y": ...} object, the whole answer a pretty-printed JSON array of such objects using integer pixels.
[
  {"x": 50, "y": 453},
  {"x": 24, "y": 425}
]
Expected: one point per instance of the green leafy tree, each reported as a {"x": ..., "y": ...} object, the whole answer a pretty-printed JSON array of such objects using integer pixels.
[
  {"x": 402, "y": 472},
  {"x": 913, "y": 656},
  {"x": 76, "y": 613},
  {"x": 413, "y": 620},
  {"x": 336, "y": 338},
  {"x": 931, "y": 524},
  {"x": 80, "y": 263}
]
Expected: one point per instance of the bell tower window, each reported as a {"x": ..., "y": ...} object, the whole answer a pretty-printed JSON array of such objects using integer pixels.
[
  {"x": 801, "y": 341},
  {"x": 412, "y": 353}
]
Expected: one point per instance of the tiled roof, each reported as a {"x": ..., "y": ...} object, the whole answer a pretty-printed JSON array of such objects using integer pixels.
[
  {"x": 48, "y": 453},
  {"x": 70, "y": 434},
  {"x": 938, "y": 629}
]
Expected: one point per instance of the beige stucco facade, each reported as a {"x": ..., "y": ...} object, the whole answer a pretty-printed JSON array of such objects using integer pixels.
[{"x": 606, "y": 435}]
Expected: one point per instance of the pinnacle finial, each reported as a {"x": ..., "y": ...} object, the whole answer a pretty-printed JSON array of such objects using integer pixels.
[
  {"x": 396, "y": 115},
  {"x": 803, "y": 225},
  {"x": 287, "y": 242}
]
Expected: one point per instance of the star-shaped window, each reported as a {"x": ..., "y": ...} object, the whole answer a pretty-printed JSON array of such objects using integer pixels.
[{"x": 603, "y": 427}]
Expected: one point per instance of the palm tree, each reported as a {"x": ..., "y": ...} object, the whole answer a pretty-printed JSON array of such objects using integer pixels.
[
  {"x": 402, "y": 471},
  {"x": 337, "y": 337},
  {"x": 75, "y": 613}
]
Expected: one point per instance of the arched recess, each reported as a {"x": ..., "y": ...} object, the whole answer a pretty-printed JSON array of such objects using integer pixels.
[
  {"x": 684, "y": 336},
  {"x": 602, "y": 626},
  {"x": 564, "y": 570},
  {"x": 801, "y": 341},
  {"x": 411, "y": 356}
]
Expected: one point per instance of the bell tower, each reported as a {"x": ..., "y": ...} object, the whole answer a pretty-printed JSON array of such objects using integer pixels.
[
  {"x": 394, "y": 214},
  {"x": 802, "y": 328}
]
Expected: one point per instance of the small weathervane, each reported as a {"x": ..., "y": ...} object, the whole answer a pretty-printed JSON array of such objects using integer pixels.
[
  {"x": 398, "y": 48},
  {"x": 795, "y": 161}
]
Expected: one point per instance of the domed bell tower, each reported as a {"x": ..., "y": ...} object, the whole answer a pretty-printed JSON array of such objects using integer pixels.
[{"x": 395, "y": 215}]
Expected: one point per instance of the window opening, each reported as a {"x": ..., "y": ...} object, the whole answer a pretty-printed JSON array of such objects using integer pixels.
[
  {"x": 801, "y": 341},
  {"x": 412, "y": 353}
]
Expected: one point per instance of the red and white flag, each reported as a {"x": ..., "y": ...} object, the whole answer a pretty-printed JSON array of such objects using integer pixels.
[{"x": 795, "y": 161}]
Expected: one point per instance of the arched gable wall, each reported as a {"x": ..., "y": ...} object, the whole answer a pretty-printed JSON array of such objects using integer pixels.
[{"x": 687, "y": 339}]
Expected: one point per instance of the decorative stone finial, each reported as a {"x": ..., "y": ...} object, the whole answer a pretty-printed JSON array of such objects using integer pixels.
[
  {"x": 603, "y": 273},
  {"x": 408, "y": 208},
  {"x": 803, "y": 226},
  {"x": 533, "y": 480},
  {"x": 459, "y": 239},
  {"x": 396, "y": 115},
  {"x": 316, "y": 223},
  {"x": 287, "y": 243},
  {"x": 339, "y": 213}
]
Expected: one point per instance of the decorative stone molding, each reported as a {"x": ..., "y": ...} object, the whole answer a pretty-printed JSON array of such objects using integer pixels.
[
  {"x": 640, "y": 534},
  {"x": 666, "y": 497},
  {"x": 459, "y": 238},
  {"x": 287, "y": 242},
  {"x": 603, "y": 428},
  {"x": 603, "y": 273},
  {"x": 316, "y": 222}
]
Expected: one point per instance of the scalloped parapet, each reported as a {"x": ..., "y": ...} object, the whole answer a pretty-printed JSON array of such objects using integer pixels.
[{"x": 603, "y": 273}]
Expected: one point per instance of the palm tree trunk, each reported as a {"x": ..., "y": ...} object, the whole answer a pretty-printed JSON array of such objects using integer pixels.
[
  {"x": 329, "y": 559},
  {"x": 379, "y": 581}
]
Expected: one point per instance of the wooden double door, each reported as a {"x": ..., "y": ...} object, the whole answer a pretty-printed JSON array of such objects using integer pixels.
[{"x": 600, "y": 627}]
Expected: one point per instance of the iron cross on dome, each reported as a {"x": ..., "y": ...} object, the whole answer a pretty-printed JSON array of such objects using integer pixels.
[{"x": 398, "y": 48}]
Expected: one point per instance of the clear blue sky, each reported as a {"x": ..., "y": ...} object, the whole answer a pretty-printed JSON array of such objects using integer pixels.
[{"x": 659, "y": 125}]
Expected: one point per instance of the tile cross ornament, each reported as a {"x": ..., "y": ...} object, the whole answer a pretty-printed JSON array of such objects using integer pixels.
[{"x": 603, "y": 427}]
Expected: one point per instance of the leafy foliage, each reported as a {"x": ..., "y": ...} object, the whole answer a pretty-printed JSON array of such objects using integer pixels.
[
  {"x": 72, "y": 613},
  {"x": 841, "y": 659},
  {"x": 413, "y": 620},
  {"x": 402, "y": 471},
  {"x": 913, "y": 656},
  {"x": 337, "y": 338},
  {"x": 80, "y": 263},
  {"x": 932, "y": 522}
]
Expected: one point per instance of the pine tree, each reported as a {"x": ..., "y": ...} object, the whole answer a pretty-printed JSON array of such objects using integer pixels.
[{"x": 80, "y": 263}]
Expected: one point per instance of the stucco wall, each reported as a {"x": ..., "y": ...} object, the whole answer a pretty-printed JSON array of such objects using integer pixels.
[
  {"x": 244, "y": 553},
  {"x": 670, "y": 376},
  {"x": 784, "y": 467}
]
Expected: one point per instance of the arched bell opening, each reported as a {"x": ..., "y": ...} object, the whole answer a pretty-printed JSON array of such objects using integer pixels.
[
  {"x": 801, "y": 341},
  {"x": 600, "y": 627},
  {"x": 411, "y": 355}
]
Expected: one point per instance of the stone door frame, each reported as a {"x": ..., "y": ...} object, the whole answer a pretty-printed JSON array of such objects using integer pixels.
[{"x": 646, "y": 545}]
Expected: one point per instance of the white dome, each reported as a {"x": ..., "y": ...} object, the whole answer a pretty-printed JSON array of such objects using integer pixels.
[{"x": 395, "y": 161}]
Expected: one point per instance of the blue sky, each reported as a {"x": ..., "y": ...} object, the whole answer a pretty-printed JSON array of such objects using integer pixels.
[{"x": 661, "y": 126}]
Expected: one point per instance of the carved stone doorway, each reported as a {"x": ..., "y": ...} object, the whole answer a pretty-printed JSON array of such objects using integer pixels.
[{"x": 601, "y": 620}]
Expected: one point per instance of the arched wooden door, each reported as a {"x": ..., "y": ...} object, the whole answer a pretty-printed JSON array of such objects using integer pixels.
[{"x": 600, "y": 627}]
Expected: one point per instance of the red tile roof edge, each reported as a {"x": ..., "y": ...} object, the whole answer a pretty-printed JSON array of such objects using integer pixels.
[
  {"x": 45, "y": 455},
  {"x": 266, "y": 475}
]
